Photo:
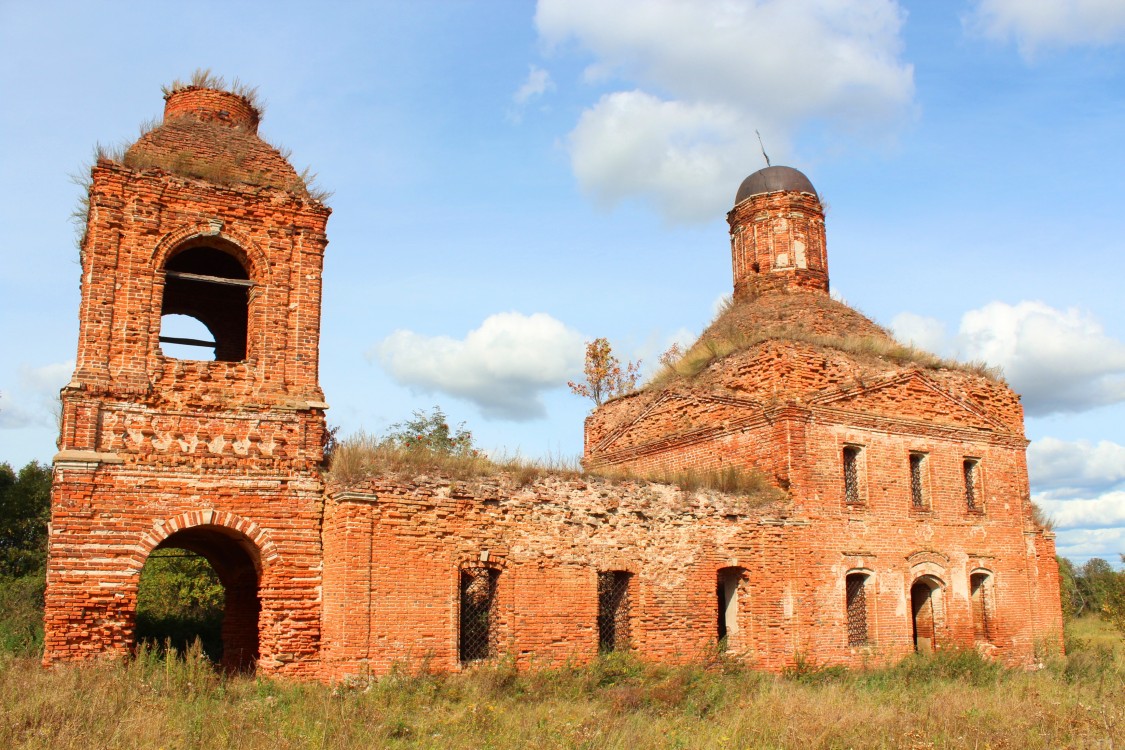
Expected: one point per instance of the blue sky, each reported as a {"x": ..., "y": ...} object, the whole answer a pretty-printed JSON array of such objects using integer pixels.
[{"x": 513, "y": 178}]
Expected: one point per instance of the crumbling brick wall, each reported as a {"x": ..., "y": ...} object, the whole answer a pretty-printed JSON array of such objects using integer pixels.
[{"x": 217, "y": 457}]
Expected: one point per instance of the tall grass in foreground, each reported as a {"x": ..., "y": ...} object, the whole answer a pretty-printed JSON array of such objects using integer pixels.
[{"x": 953, "y": 700}]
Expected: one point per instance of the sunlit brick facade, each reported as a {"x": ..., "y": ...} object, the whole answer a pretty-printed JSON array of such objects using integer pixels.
[{"x": 902, "y": 521}]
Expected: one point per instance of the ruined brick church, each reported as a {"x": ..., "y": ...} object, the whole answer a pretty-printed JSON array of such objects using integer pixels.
[{"x": 901, "y": 517}]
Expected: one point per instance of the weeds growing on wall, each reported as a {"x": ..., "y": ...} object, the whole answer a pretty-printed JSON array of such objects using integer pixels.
[
  {"x": 726, "y": 339},
  {"x": 362, "y": 456}
]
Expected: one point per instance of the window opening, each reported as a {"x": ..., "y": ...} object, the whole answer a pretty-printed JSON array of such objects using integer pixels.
[
  {"x": 613, "y": 610},
  {"x": 210, "y": 285},
  {"x": 917, "y": 490},
  {"x": 478, "y": 613},
  {"x": 727, "y": 583},
  {"x": 856, "y": 599},
  {"x": 182, "y": 337},
  {"x": 202, "y": 582},
  {"x": 924, "y": 615},
  {"x": 982, "y": 626},
  {"x": 972, "y": 483},
  {"x": 851, "y": 474}
]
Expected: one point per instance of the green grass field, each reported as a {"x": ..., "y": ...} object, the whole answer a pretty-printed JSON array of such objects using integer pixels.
[{"x": 954, "y": 700}]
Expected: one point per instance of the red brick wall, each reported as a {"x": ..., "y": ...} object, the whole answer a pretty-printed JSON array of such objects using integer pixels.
[
  {"x": 777, "y": 241},
  {"x": 221, "y": 458},
  {"x": 394, "y": 547},
  {"x": 788, "y": 409}
]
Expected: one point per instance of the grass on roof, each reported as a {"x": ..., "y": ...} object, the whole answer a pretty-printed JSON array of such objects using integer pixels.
[
  {"x": 362, "y": 457},
  {"x": 203, "y": 78},
  {"x": 723, "y": 338}
]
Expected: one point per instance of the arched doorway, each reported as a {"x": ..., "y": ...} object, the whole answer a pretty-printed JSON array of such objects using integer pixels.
[
  {"x": 925, "y": 608},
  {"x": 236, "y": 563}
]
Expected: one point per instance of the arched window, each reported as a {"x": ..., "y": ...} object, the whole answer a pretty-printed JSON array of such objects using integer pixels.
[
  {"x": 207, "y": 282},
  {"x": 856, "y": 603},
  {"x": 926, "y": 612},
  {"x": 979, "y": 591}
]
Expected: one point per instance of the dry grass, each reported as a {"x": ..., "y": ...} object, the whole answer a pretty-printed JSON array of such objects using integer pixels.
[
  {"x": 203, "y": 78},
  {"x": 362, "y": 456},
  {"x": 1041, "y": 518},
  {"x": 955, "y": 700},
  {"x": 229, "y": 170},
  {"x": 729, "y": 480},
  {"x": 725, "y": 340}
]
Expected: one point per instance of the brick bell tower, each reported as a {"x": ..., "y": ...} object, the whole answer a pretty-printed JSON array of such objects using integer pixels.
[
  {"x": 210, "y": 443},
  {"x": 777, "y": 234}
]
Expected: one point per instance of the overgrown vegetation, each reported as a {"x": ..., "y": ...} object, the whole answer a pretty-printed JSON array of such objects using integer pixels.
[
  {"x": 203, "y": 78},
  {"x": 725, "y": 338},
  {"x": 1095, "y": 588},
  {"x": 426, "y": 444},
  {"x": 226, "y": 169},
  {"x": 25, "y": 509},
  {"x": 950, "y": 700},
  {"x": 180, "y": 599},
  {"x": 604, "y": 376}
]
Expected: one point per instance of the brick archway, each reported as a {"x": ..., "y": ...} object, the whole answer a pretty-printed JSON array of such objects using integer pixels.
[
  {"x": 926, "y": 612},
  {"x": 238, "y": 551},
  {"x": 258, "y": 266},
  {"x": 161, "y": 530}
]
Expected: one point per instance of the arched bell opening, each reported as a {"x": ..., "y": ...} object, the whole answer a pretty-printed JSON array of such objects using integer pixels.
[
  {"x": 207, "y": 280},
  {"x": 180, "y": 575},
  {"x": 925, "y": 608}
]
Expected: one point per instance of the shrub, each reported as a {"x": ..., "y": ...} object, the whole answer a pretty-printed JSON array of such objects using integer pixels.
[{"x": 21, "y": 614}]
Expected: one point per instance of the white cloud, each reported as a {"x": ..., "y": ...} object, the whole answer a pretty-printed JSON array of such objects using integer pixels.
[
  {"x": 35, "y": 400},
  {"x": 702, "y": 76},
  {"x": 538, "y": 83},
  {"x": 1069, "y": 467},
  {"x": 13, "y": 415},
  {"x": 1051, "y": 23},
  {"x": 687, "y": 158},
  {"x": 1101, "y": 512},
  {"x": 1079, "y": 485},
  {"x": 503, "y": 366},
  {"x": 1079, "y": 545},
  {"x": 1058, "y": 360}
]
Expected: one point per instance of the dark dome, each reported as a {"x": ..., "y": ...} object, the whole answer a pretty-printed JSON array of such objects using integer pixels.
[{"x": 771, "y": 180}]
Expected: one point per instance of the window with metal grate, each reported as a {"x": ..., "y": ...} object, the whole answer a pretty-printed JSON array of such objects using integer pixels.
[
  {"x": 478, "y": 613},
  {"x": 856, "y": 585},
  {"x": 917, "y": 487},
  {"x": 613, "y": 610},
  {"x": 851, "y": 475}
]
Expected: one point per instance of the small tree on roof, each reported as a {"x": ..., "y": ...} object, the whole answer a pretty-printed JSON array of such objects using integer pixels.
[
  {"x": 605, "y": 377},
  {"x": 431, "y": 432}
]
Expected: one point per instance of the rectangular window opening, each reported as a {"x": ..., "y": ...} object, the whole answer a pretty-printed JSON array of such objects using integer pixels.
[
  {"x": 982, "y": 625},
  {"x": 727, "y": 595},
  {"x": 478, "y": 614},
  {"x": 971, "y": 469},
  {"x": 856, "y": 585},
  {"x": 851, "y": 475},
  {"x": 613, "y": 610},
  {"x": 917, "y": 486}
]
